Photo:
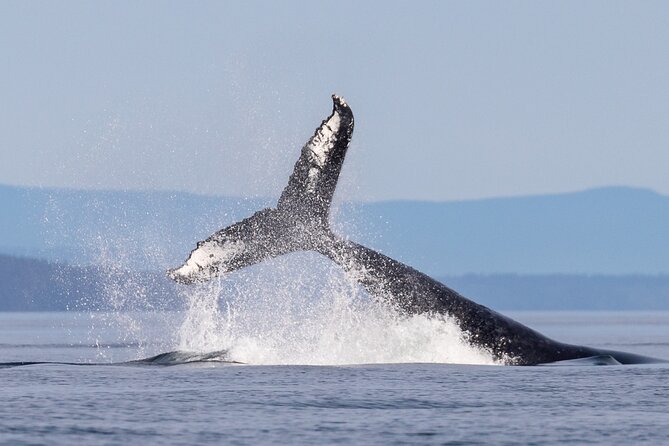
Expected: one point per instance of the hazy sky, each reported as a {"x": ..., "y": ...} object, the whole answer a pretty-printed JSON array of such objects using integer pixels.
[{"x": 452, "y": 100}]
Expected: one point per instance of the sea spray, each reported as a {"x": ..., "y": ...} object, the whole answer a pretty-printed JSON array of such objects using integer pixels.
[
  {"x": 203, "y": 328},
  {"x": 295, "y": 309},
  {"x": 300, "y": 309},
  {"x": 124, "y": 310}
]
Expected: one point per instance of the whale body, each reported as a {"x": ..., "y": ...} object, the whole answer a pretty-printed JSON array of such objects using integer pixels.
[{"x": 300, "y": 222}]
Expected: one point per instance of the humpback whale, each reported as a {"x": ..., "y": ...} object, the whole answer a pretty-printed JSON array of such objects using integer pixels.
[{"x": 300, "y": 222}]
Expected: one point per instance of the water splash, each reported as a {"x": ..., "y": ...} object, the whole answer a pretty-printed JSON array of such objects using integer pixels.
[
  {"x": 296, "y": 309},
  {"x": 302, "y": 310},
  {"x": 203, "y": 328}
]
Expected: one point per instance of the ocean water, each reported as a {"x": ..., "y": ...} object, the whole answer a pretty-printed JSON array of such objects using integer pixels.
[{"x": 83, "y": 389}]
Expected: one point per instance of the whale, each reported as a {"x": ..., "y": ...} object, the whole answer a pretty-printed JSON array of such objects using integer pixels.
[{"x": 300, "y": 222}]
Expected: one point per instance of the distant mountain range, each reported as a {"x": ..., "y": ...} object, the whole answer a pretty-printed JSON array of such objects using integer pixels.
[
  {"x": 37, "y": 285},
  {"x": 608, "y": 231},
  {"x": 598, "y": 249}
]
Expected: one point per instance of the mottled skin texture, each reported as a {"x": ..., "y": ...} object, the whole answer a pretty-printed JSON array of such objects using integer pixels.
[
  {"x": 300, "y": 220},
  {"x": 300, "y": 223}
]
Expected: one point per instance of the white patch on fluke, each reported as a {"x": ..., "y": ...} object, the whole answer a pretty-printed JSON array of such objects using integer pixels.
[
  {"x": 313, "y": 173},
  {"x": 208, "y": 258},
  {"x": 319, "y": 146}
]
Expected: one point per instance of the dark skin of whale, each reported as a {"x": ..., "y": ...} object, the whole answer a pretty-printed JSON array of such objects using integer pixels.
[
  {"x": 300, "y": 222},
  {"x": 411, "y": 292}
]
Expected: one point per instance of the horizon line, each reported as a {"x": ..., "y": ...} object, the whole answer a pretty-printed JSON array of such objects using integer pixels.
[{"x": 362, "y": 201}]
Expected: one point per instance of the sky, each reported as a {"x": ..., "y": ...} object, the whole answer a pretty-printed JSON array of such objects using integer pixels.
[{"x": 453, "y": 100}]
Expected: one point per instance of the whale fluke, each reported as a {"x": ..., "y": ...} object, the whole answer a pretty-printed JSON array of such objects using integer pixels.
[{"x": 300, "y": 220}]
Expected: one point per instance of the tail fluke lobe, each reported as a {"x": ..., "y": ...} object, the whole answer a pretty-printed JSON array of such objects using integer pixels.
[
  {"x": 312, "y": 185},
  {"x": 300, "y": 220}
]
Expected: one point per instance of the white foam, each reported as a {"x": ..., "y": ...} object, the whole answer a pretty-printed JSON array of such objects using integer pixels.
[{"x": 269, "y": 318}]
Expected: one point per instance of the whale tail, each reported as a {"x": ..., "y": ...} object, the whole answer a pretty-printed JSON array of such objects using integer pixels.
[
  {"x": 312, "y": 185},
  {"x": 300, "y": 220}
]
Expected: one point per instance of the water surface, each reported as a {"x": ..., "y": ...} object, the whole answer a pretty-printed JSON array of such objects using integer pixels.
[{"x": 397, "y": 403}]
